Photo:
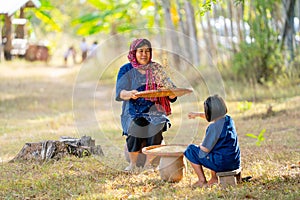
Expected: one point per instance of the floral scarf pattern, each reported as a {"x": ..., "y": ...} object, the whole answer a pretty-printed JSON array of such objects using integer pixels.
[{"x": 156, "y": 77}]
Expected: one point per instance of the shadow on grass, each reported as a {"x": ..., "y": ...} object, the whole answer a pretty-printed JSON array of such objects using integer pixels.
[{"x": 269, "y": 113}]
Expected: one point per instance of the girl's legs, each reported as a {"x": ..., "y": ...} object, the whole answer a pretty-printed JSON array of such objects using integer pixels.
[
  {"x": 201, "y": 177},
  {"x": 213, "y": 178}
]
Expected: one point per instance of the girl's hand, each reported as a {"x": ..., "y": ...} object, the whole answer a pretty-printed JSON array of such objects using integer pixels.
[{"x": 193, "y": 115}]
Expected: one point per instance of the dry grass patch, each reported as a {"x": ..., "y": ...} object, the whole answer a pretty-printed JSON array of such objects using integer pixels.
[{"x": 36, "y": 104}]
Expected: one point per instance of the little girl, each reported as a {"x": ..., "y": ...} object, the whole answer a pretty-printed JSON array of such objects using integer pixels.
[{"x": 219, "y": 150}]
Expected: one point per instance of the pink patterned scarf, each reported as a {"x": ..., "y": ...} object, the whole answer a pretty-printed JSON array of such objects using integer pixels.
[{"x": 156, "y": 78}]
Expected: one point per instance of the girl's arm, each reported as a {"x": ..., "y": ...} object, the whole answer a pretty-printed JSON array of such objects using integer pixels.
[
  {"x": 212, "y": 136},
  {"x": 193, "y": 115},
  {"x": 204, "y": 149}
]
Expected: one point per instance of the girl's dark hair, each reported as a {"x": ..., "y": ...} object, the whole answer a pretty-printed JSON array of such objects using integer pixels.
[{"x": 214, "y": 107}]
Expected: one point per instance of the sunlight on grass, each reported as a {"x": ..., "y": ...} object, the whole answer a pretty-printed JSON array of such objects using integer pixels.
[{"x": 36, "y": 105}]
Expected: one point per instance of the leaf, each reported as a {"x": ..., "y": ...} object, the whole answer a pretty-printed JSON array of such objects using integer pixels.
[
  {"x": 237, "y": 2},
  {"x": 89, "y": 18},
  {"x": 258, "y": 143},
  {"x": 88, "y": 29},
  {"x": 261, "y": 135},
  {"x": 99, "y": 4},
  {"x": 205, "y": 7},
  {"x": 125, "y": 27},
  {"x": 46, "y": 18},
  {"x": 251, "y": 135}
]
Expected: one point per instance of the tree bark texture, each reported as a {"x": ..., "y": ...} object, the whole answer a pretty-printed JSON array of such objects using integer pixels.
[
  {"x": 20, "y": 29},
  {"x": 288, "y": 31},
  {"x": 7, "y": 39},
  {"x": 190, "y": 15},
  {"x": 171, "y": 37},
  {"x": 55, "y": 150}
]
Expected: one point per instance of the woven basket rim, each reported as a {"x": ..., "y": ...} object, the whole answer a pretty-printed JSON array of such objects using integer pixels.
[{"x": 145, "y": 150}]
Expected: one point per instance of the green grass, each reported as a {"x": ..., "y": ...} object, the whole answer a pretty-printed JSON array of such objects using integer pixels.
[
  {"x": 88, "y": 178},
  {"x": 35, "y": 106}
]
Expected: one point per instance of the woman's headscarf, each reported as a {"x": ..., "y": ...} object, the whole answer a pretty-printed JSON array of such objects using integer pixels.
[{"x": 156, "y": 78}]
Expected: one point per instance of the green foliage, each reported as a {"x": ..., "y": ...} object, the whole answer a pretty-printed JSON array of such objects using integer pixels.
[
  {"x": 47, "y": 17},
  {"x": 96, "y": 22},
  {"x": 293, "y": 71},
  {"x": 206, "y": 6},
  {"x": 244, "y": 106},
  {"x": 259, "y": 138},
  {"x": 262, "y": 59},
  {"x": 237, "y": 2},
  {"x": 111, "y": 17}
]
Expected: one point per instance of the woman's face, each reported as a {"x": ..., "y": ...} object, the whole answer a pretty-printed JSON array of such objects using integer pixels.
[{"x": 143, "y": 55}]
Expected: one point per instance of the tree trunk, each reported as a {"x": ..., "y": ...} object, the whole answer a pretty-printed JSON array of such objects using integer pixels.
[
  {"x": 240, "y": 23},
  {"x": 184, "y": 30},
  {"x": 20, "y": 29},
  {"x": 192, "y": 33},
  {"x": 288, "y": 31},
  {"x": 7, "y": 39},
  {"x": 172, "y": 38},
  {"x": 211, "y": 39},
  {"x": 232, "y": 28},
  {"x": 157, "y": 22},
  {"x": 205, "y": 33}
]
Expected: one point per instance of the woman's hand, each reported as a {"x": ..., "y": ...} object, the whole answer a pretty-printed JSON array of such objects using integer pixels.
[
  {"x": 193, "y": 115},
  {"x": 172, "y": 97},
  {"x": 126, "y": 95}
]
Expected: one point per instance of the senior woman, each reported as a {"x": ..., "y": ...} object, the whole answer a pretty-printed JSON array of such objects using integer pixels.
[{"x": 143, "y": 119}]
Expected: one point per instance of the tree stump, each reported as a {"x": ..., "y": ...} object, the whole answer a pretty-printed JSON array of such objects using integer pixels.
[{"x": 52, "y": 149}]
